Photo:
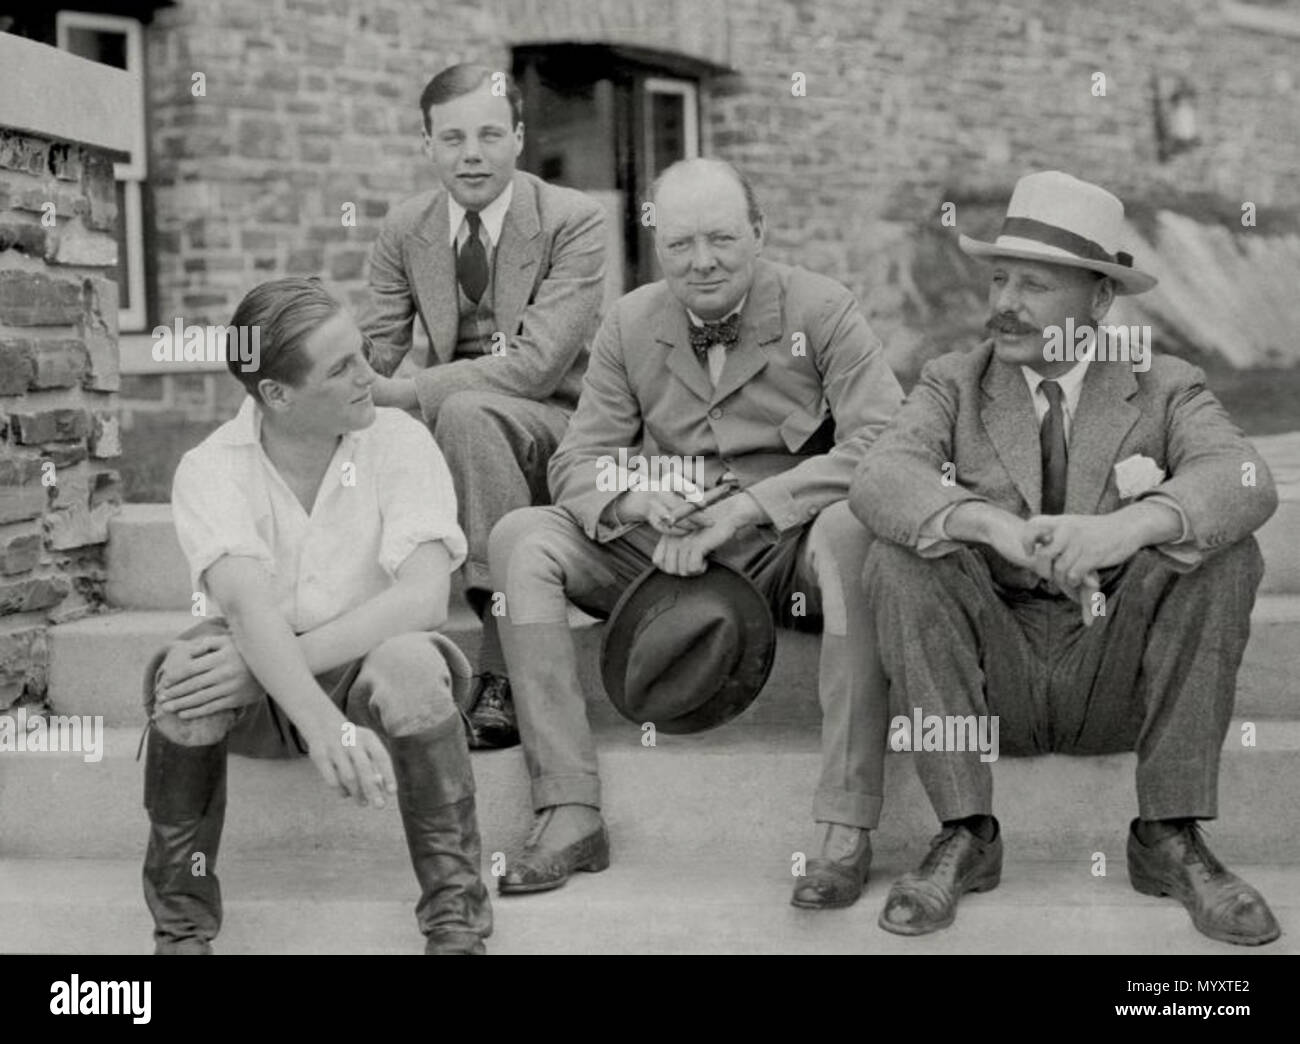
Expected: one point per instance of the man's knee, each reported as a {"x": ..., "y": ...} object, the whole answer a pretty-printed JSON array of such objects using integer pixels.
[
  {"x": 837, "y": 548},
  {"x": 465, "y": 418},
  {"x": 525, "y": 534},
  {"x": 203, "y": 731},
  {"x": 410, "y": 684}
]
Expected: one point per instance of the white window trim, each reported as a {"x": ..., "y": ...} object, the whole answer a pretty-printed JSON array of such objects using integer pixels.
[
  {"x": 685, "y": 89},
  {"x": 134, "y": 172}
]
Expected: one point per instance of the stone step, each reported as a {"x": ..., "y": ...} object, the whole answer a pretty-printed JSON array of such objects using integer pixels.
[
  {"x": 96, "y": 664},
  {"x": 745, "y": 790},
  {"x": 695, "y": 903}
]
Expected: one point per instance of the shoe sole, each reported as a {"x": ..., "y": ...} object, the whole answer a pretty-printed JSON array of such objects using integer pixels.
[
  {"x": 1163, "y": 890},
  {"x": 593, "y": 867},
  {"x": 493, "y": 741},
  {"x": 837, "y": 904},
  {"x": 982, "y": 884}
]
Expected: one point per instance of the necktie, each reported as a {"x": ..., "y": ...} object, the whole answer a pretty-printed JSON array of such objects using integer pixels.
[
  {"x": 726, "y": 333},
  {"x": 471, "y": 262},
  {"x": 1051, "y": 439}
]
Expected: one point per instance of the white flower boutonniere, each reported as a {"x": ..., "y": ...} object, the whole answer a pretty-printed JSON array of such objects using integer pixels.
[{"x": 1136, "y": 475}]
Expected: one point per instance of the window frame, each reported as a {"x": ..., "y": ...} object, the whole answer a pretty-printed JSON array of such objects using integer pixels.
[{"x": 131, "y": 174}]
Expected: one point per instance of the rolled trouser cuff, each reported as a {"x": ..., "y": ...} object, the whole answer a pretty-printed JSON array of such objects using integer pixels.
[
  {"x": 848, "y": 808},
  {"x": 578, "y": 789}
]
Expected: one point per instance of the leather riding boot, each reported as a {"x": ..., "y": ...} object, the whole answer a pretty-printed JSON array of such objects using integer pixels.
[
  {"x": 185, "y": 795},
  {"x": 435, "y": 792}
]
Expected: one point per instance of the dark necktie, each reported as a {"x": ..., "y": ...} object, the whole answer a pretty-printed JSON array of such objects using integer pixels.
[
  {"x": 471, "y": 262},
  {"x": 1051, "y": 439},
  {"x": 726, "y": 333}
]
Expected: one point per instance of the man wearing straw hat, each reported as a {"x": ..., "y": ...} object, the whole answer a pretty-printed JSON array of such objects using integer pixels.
[{"x": 1066, "y": 545}]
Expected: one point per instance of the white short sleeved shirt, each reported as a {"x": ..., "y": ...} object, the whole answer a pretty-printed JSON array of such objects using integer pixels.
[{"x": 386, "y": 491}]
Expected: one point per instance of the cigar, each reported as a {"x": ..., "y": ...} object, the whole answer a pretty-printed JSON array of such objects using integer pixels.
[{"x": 719, "y": 492}]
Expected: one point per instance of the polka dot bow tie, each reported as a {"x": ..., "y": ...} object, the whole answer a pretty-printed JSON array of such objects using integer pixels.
[{"x": 725, "y": 333}]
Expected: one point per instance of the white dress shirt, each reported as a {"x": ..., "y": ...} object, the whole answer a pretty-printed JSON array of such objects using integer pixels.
[
  {"x": 493, "y": 216},
  {"x": 1071, "y": 383},
  {"x": 387, "y": 490}
]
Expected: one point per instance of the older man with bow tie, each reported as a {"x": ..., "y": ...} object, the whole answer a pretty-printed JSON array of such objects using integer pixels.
[
  {"x": 1066, "y": 544},
  {"x": 770, "y": 375}
]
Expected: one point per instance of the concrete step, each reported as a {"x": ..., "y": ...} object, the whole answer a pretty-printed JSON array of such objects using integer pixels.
[
  {"x": 708, "y": 903},
  {"x": 1279, "y": 537},
  {"x": 745, "y": 790},
  {"x": 96, "y": 664}
]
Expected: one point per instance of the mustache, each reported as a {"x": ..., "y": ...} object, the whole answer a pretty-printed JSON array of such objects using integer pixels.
[{"x": 1008, "y": 324}]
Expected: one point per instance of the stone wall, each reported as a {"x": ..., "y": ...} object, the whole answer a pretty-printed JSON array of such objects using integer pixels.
[
  {"x": 58, "y": 350},
  {"x": 310, "y": 104},
  {"x": 269, "y": 117}
]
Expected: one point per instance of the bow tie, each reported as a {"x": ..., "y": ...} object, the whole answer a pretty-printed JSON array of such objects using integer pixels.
[{"x": 726, "y": 333}]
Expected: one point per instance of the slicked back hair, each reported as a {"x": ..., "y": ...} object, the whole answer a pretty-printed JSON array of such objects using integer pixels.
[
  {"x": 458, "y": 80},
  {"x": 286, "y": 312}
]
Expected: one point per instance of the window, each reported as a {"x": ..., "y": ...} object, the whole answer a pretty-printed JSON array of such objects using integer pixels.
[
  {"x": 118, "y": 41},
  {"x": 608, "y": 120}
]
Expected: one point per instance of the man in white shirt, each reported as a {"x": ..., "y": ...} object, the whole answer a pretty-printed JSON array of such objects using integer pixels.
[{"x": 323, "y": 532}]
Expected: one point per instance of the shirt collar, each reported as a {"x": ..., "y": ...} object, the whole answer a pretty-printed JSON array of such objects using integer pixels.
[
  {"x": 245, "y": 427},
  {"x": 697, "y": 321},
  {"x": 1071, "y": 381},
  {"x": 493, "y": 215}
]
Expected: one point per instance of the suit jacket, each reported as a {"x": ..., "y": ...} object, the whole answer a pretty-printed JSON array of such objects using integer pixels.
[
  {"x": 549, "y": 275},
  {"x": 800, "y": 397},
  {"x": 972, "y": 410}
]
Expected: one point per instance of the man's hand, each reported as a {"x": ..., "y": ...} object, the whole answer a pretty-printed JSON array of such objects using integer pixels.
[
  {"x": 686, "y": 555},
  {"x": 1076, "y": 545},
  {"x": 205, "y": 675},
  {"x": 667, "y": 513},
  {"x": 394, "y": 391},
  {"x": 978, "y": 522},
  {"x": 360, "y": 767}
]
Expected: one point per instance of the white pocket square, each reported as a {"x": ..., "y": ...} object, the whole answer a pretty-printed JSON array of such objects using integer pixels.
[{"x": 1137, "y": 474}]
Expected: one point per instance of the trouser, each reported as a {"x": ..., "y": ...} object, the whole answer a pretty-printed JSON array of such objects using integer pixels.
[
  {"x": 542, "y": 559},
  {"x": 402, "y": 690},
  {"x": 497, "y": 448},
  {"x": 1156, "y": 673}
]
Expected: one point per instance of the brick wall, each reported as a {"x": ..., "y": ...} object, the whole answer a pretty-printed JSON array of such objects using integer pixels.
[
  {"x": 307, "y": 105},
  {"x": 58, "y": 374}
]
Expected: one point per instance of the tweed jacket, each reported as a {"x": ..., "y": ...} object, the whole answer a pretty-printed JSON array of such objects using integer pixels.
[
  {"x": 800, "y": 397},
  {"x": 974, "y": 412},
  {"x": 549, "y": 274}
]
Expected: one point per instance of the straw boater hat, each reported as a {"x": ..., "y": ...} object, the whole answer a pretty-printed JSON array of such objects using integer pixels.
[{"x": 1059, "y": 219}]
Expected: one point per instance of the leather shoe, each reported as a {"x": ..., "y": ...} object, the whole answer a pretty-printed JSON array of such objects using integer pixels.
[
  {"x": 539, "y": 869},
  {"x": 492, "y": 724},
  {"x": 830, "y": 884},
  {"x": 1222, "y": 905},
  {"x": 925, "y": 900}
]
